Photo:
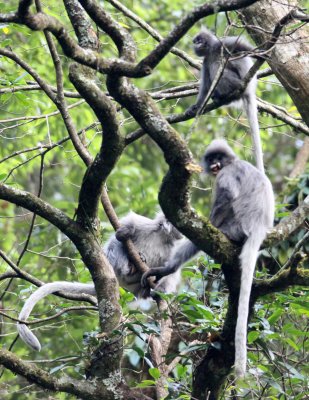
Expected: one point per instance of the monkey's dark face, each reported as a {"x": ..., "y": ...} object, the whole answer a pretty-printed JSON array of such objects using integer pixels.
[
  {"x": 201, "y": 44},
  {"x": 214, "y": 162}
]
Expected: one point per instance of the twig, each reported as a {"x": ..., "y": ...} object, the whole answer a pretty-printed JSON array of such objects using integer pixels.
[
  {"x": 29, "y": 278},
  {"x": 58, "y": 314}
]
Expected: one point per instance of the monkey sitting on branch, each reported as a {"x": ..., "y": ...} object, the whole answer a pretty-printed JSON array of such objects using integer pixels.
[
  {"x": 231, "y": 51},
  {"x": 243, "y": 209},
  {"x": 153, "y": 238}
]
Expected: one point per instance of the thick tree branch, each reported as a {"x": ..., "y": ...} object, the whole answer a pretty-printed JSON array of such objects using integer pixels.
[
  {"x": 288, "y": 58},
  {"x": 121, "y": 37},
  {"x": 180, "y": 53},
  {"x": 286, "y": 278},
  {"x": 185, "y": 24},
  {"x": 80, "y": 388},
  {"x": 43, "y": 209},
  {"x": 288, "y": 225},
  {"x": 41, "y": 21}
]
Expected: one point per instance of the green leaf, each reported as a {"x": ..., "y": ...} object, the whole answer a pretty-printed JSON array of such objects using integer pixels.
[
  {"x": 292, "y": 343},
  {"x": 275, "y": 316},
  {"x": 146, "y": 383},
  {"x": 252, "y": 336},
  {"x": 155, "y": 373}
]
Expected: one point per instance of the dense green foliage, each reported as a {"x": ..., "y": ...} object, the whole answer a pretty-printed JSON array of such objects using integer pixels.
[{"x": 278, "y": 333}]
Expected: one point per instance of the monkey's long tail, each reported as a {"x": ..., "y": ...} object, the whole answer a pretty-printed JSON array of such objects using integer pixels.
[
  {"x": 248, "y": 259},
  {"x": 72, "y": 287},
  {"x": 250, "y": 105}
]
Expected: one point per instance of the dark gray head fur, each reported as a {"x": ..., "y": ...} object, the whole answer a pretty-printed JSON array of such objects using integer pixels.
[
  {"x": 218, "y": 151},
  {"x": 203, "y": 42}
]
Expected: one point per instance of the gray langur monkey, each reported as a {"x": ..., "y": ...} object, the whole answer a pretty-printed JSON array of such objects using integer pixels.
[
  {"x": 243, "y": 209},
  {"x": 153, "y": 238},
  {"x": 208, "y": 46}
]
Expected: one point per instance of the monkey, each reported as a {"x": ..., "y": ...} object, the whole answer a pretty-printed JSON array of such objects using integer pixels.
[
  {"x": 208, "y": 46},
  {"x": 153, "y": 238},
  {"x": 242, "y": 209}
]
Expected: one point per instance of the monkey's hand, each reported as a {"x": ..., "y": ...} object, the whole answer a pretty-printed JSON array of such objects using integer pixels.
[
  {"x": 192, "y": 110},
  {"x": 151, "y": 272},
  {"x": 124, "y": 232}
]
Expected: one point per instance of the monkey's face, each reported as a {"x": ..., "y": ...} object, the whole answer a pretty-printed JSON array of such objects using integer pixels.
[
  {"x": 214, "y": 162},
  {"x": 200, "y": 44},
  {"x": 165, "y": 227}
]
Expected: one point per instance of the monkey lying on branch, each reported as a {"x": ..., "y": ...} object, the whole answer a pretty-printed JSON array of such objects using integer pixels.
[
  {"x": 243, "y": 209},
  {"x": 153, "y": 238}
]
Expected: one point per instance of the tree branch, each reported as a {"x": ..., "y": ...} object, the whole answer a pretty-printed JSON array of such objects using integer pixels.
[
  {"x": 43, "y": 209},
  {"x": 20, "y": 273},
  {"x": 288, "y": 225},
  {"x": 163, "y": 48},
  {"x": 78, "y": 387}
]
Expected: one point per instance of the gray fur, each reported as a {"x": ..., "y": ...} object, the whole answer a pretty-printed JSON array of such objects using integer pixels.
[
  {"x": 243, "y": 209},
  {"x": 183, "y": 251},
  {"x": 208, "y": 46},
  {"x": 153, "y": 238}
]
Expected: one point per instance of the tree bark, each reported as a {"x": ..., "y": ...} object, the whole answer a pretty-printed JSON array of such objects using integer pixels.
[{"x": 289, "y": 58}]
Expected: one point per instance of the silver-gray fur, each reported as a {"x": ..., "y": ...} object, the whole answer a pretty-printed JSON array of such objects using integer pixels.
[
  {"x": 243, "y": 209},
  {"x": 153, "y": 238},
  {"x": 72, "y": 287},
  {"x": 182, "y": 252},
  {"x": 208, "y": 46}
]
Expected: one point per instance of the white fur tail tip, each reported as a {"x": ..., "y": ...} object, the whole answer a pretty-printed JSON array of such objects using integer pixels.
[{"x": 28, "y": 337}]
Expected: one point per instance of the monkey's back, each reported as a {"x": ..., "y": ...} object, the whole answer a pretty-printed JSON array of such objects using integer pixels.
[
  {"x": 152, "y": 242},
  {"x": 234, "y": 70},
  {"x": 252, "y": 197}
]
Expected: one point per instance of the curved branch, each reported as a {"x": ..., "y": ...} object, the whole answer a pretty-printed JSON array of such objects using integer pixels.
[
  {"x": 288, "y": 225},
  {"x": 20, "y": 273},
  {"x": 286, "y": 278},
  {"x": 41, "y": 21},
  {"x": 180, "y": 53},
  {"x": 43, "y": 209},
  {"x": 164, "y": 47},
  {"x": 79, "y": 387},
  {"x": 121, "y": 37}
]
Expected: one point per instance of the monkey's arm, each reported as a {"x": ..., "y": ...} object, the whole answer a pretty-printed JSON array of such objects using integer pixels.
[
  {"x": 182, "y": 252},
  {"x": 222, "y": 207},
  {"x": 203, "y": 89},
  {"x": 125, "y": 232},
  {"x": 227, "y": 190}
]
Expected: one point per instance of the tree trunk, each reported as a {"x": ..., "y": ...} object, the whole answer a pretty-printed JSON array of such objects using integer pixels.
[{"x": 289, "y": 59}]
